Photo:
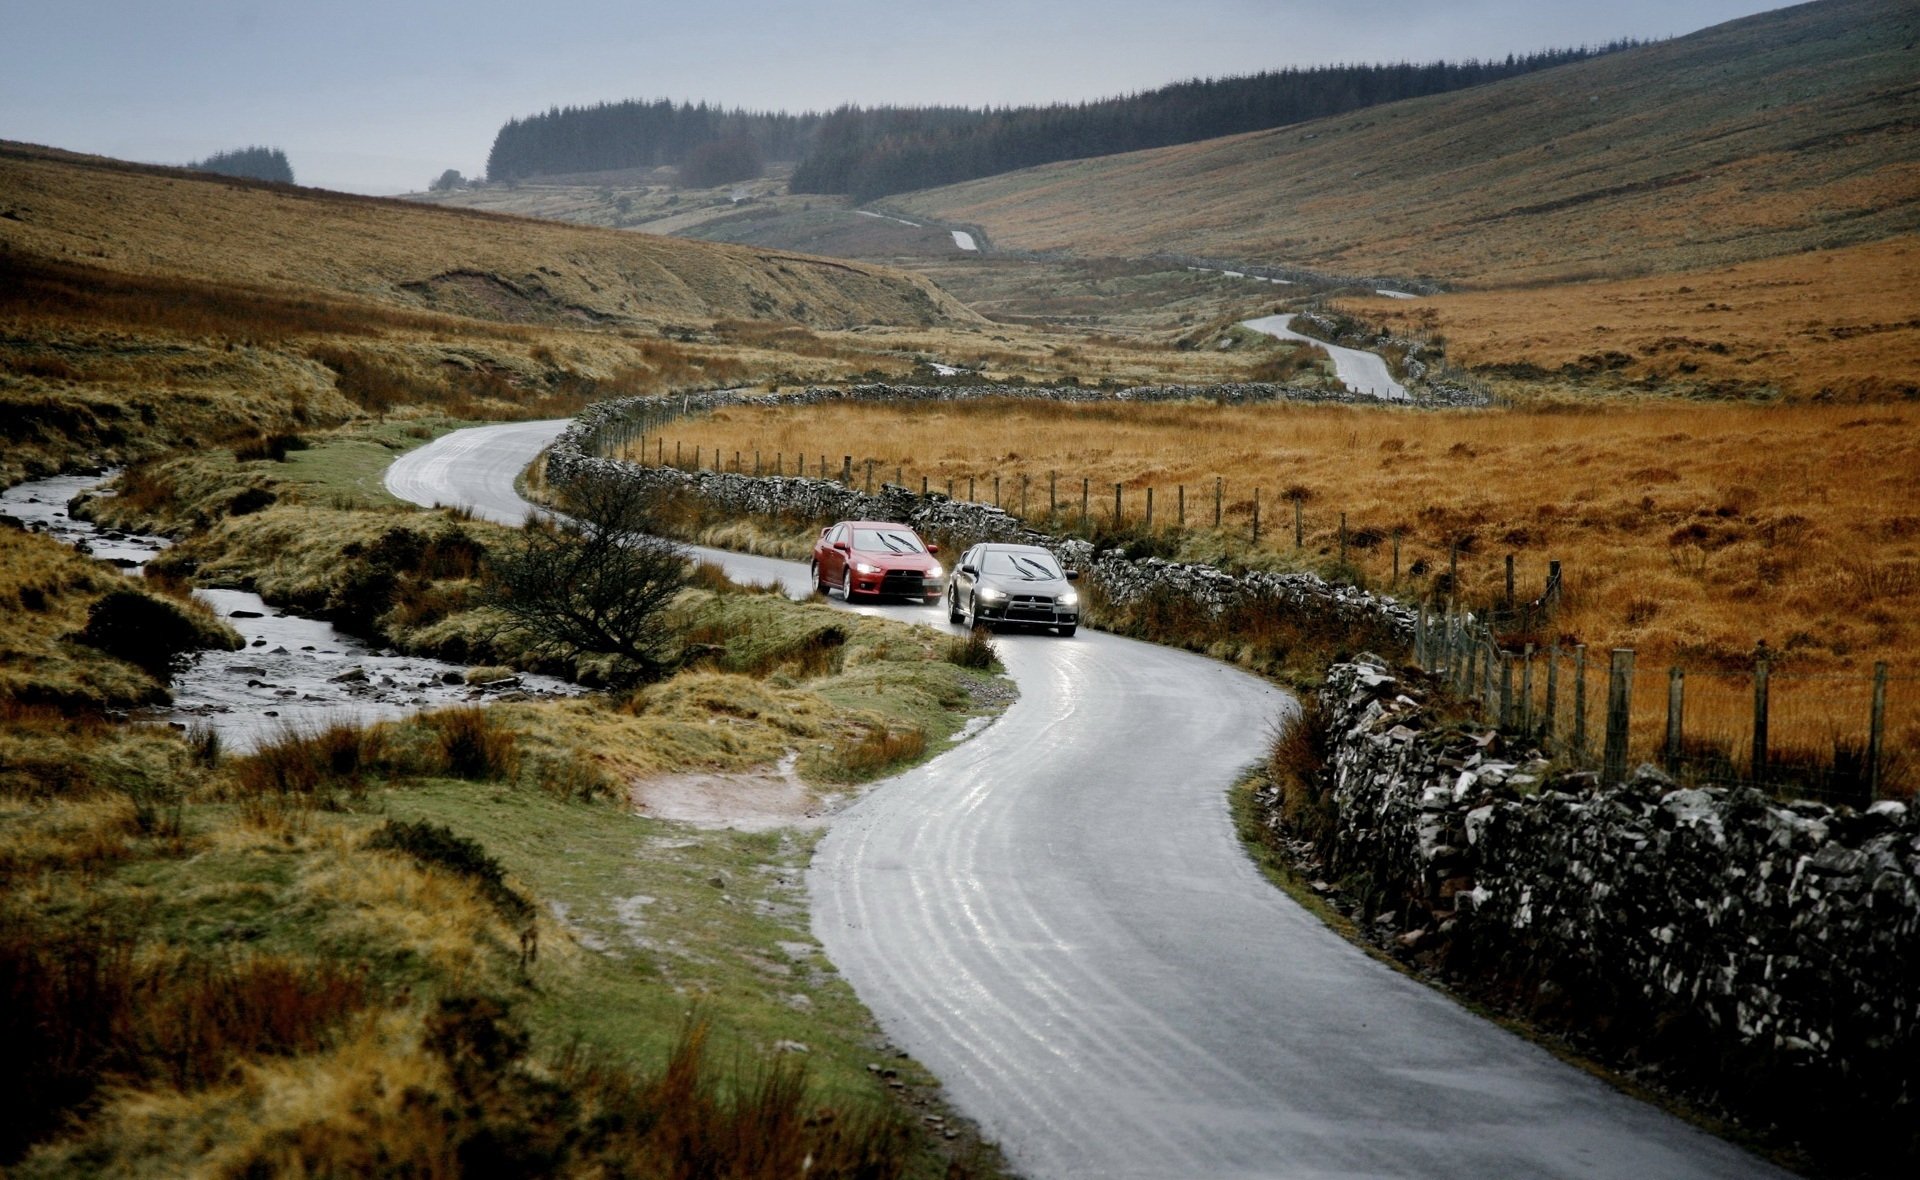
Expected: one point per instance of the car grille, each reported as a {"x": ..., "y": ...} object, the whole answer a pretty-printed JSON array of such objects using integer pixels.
[
  {"x": 1030, "y": 608},
  {"x": 909, "y": 583}
]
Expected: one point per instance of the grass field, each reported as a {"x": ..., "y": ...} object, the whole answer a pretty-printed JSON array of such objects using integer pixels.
[
  {"x": 1687, "y": 532},
  {"x": 1826, "y": 324}
]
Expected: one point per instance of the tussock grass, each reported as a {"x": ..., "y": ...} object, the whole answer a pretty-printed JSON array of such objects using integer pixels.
[
  {"x": 872, "y": 752},
  {"x": 473, "y": 743},
  {"x": 91, "y": 1007},
  {"x": 973, "y": 650}
]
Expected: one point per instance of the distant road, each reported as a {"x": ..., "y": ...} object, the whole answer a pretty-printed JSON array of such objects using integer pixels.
[
  {"x": 1057, "y": 918},
  {"x": 1362, "y": 372}
]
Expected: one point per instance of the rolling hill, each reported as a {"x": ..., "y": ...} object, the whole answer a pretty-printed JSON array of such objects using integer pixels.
[
  {"x": 145, "y": 308},
  {"x": 168, "y": 223},
  {"x": 1792, "y": 130}
]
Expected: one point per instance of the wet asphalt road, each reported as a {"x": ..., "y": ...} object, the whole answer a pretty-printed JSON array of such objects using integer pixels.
[{"x": 1057, "y": 919}]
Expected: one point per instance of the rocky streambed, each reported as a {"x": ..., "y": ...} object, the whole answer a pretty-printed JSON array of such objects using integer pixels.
[{"x": 293, "y": 672}]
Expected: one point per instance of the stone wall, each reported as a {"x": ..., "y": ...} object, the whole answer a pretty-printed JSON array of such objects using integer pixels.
[
  {"x": 1121, "y": 581},
  {"x": 1764, "y": 954}
]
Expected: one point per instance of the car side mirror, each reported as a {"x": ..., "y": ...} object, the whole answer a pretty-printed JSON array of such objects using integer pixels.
[
  {"x": 932, "y": 548},
  {"x": 969, "y": 571},
  {"x": 843, "y": 547},
  {"x": 1073, "y": 575}
]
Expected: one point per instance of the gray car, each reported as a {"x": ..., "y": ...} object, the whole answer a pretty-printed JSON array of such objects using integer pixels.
[{"x": 994, "y": 584}]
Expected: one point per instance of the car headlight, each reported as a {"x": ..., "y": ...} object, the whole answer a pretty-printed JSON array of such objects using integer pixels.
[
  {"x": 1070, "y": 598},
  {"x": 990, "y": 594},
  {"x": 936, "y": 572},
  {"x": 861, "y": 567}
]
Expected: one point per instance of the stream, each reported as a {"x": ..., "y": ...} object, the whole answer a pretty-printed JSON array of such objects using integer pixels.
[{"x": 294, "y": 673}]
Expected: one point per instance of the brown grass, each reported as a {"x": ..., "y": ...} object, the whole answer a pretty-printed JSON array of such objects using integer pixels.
[
  {"x": 1831, "y": 324},
  {"x": 1687, "y": 532}
]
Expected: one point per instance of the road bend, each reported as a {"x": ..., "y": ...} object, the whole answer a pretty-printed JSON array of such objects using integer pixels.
[{"x": 1057, "y": 919}]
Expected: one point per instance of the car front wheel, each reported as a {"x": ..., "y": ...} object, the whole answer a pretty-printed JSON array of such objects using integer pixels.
[{"x": 953, "y": 606}]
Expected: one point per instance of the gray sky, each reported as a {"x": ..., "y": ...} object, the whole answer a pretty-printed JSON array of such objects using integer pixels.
[{"x": 379, "y": 96}]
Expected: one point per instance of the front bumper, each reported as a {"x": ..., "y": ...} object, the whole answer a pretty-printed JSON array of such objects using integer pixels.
[
  {"x": 1039, "y": 610},
  {"x": 899, "y": 584}
]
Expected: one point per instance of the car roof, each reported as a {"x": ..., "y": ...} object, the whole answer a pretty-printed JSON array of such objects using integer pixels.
[
  {"x": 877, "y": 524},
  {"x": 1004, "y": 547}
]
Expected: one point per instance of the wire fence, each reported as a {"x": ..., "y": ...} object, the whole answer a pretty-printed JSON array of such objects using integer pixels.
[
  {"x": 1836, "y": 737},
  {"x": 1846, "y": 738}
]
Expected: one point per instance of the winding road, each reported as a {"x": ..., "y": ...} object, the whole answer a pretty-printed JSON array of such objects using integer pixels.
[
  {"x": 1362, "y": 372},
  {"x": 1057, "y": 919}
]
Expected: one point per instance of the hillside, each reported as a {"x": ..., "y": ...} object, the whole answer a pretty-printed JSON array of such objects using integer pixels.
[
  {"x": 1791, "y": 130},
  {"x": 165, "y": 223}
]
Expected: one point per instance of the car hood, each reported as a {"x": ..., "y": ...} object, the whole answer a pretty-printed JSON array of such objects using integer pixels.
[{"x": 1052, "y": 587}]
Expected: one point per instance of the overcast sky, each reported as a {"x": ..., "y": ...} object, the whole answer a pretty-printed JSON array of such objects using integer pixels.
[{"x": 381, "y": 95}]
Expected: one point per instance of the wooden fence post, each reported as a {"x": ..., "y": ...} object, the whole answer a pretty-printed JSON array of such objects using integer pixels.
[
  {"x": 996, "y": 491},
  {"x": 970, "y": 498},
  {"x": 1299, "y": 523},
  {"x": 1086, "y": 517},
  {"x": 756, "y": 462},
  {"x": 869, "y": 477},
  {"x": 660, "y": 451},
  {"x": 1509, "y": 581},
  {"x": 1506, "y": 690},
  {"x": 1256, "y": 516},
  {"x": 1053, "y": 494},
  {"x": 1023, "y": 495},
  {"x": 899, "y": 476},
  {"x": 1761, "y": 674},
  {"x": 1676, "y": 710},
  {"x": 1182, "y": 523},
  {"x": 949, "y": 487},
  {"x": 1396, "y": 558},
  {"x": 1613, "y": 768},
  {"x": 676, "y": 453},
  {"x": 1420, "y": 639},
  {"x": 1116, "y": 506},
  {"x": 924, "y": 484},
  {"x": 1580, "y": 702},
  {"x": 1552, "y": 717},
  {"x": 1219, "y": 492},
  {"x": 1149, "y": 508},
  {"x": 846, "y": 470},
  {"x": 1526, "y": 693},
  {"x": 1876, "y": 730}
]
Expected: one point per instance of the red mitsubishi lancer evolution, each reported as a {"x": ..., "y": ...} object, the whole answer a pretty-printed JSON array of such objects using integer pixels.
[{"x": 878, "y": 558}]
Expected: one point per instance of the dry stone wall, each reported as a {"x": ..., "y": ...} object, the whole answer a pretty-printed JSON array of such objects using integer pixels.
[
  {"x": 1121, "y": 580},
  {"x": 1766, "y": 953}
]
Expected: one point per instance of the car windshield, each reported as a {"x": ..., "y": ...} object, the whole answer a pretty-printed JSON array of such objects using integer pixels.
[
  {"x": 1032, "y": 567},
  {"x": 887, "y": 541}
]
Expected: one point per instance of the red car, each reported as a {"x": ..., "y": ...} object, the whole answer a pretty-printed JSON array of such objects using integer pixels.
[{"x": 876, "y": 557}]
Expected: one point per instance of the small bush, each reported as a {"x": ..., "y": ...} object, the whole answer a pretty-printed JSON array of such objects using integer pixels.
[
  {"x": 435, "y": 846},
  {"x": 472, "y": 744},
  {"x": 973, "y": 650},
  {"x": 268, "y": 446},
  {"x": 150, "y": 633}
]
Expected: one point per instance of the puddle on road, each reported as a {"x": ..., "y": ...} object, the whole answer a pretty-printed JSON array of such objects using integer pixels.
[{"x": 293, "y": 671}]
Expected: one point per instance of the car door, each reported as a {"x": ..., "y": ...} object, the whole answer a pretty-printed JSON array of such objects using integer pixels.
[
  {"x": 833, "y": 562},
  {"x": 963, "y": 581}
]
